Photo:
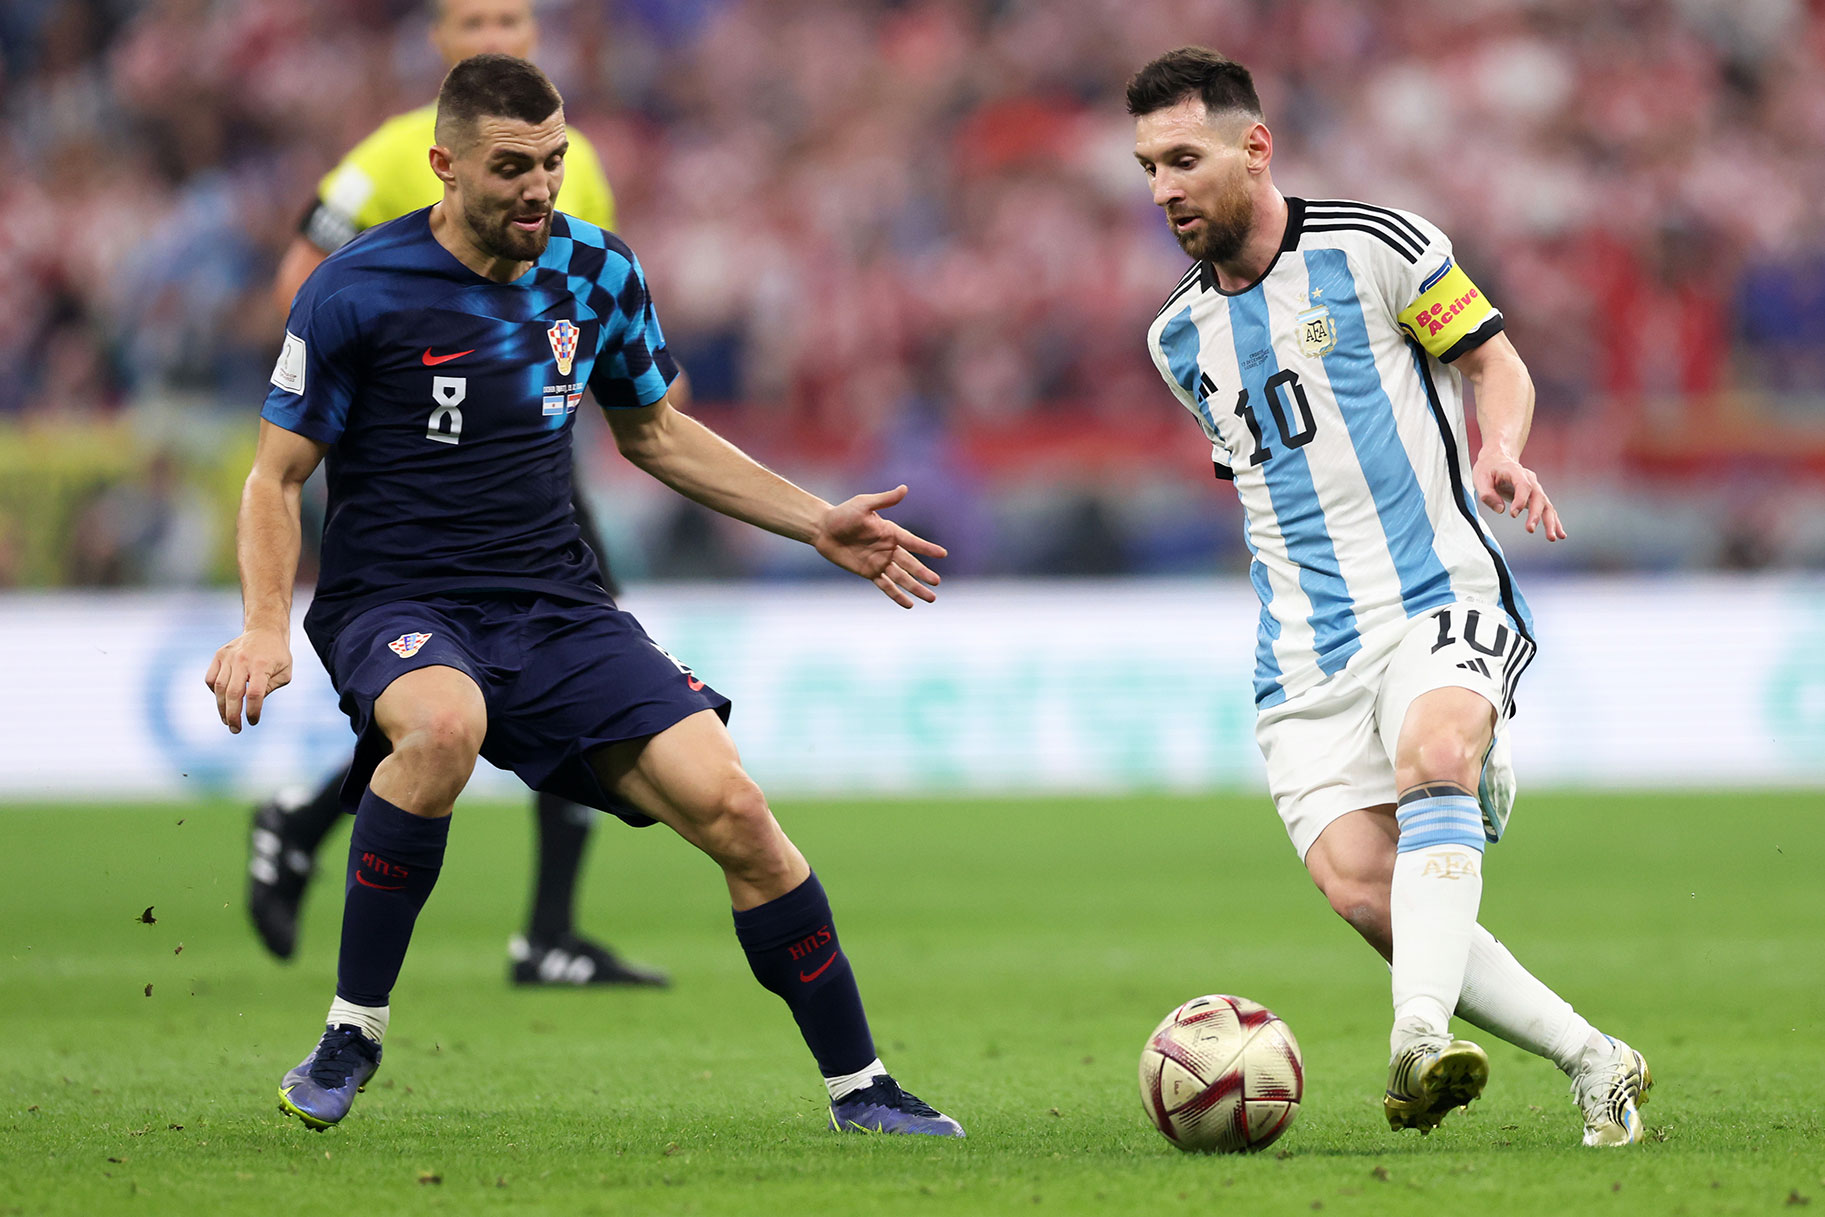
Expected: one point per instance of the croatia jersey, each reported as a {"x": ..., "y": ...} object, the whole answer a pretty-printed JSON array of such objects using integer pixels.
[
  {"x": 1327, "y": 395},
  {"x": 447, "y": 399}
]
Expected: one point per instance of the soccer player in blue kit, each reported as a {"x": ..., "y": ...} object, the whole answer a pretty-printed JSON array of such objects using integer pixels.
[{"x": 435, "y": 361}]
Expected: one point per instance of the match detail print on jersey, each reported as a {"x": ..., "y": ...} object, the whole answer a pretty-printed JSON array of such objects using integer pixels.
[{"x": 1449, "y": 316}]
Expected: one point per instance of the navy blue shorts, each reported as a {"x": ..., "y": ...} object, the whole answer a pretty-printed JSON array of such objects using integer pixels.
[{"x": 559, "y": 679}]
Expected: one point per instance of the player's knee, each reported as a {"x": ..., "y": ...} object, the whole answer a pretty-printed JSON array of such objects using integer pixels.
[
  {"x": 745, "y": 834},
  {"x": 441, "y": 738},
  {"x": 743, "y": 814},
  {"x": 1440, "y": 756}
]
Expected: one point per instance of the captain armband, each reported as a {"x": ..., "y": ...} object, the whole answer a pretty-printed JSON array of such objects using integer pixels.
[
  {"x": 326, "y": 228},
  {"x": 1450, "y": 316}
]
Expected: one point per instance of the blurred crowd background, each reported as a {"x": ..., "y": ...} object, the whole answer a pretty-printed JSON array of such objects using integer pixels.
[{"x": 907, "y": 241}]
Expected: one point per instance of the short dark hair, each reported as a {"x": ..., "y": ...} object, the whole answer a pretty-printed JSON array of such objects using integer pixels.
[
  {"x": 1193, "y": 71},
  {"x": 495, "y": 86}
]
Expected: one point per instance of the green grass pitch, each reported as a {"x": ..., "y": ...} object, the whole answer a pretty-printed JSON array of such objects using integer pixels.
[{"x": 1014, "y": 955}]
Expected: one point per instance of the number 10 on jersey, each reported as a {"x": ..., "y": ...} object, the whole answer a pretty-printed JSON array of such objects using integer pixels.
[{"x": 1292, "y": 412}]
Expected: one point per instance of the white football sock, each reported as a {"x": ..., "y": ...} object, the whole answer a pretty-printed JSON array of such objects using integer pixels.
[
  {"x": 842, "y": 1087},
  {"x": 372, "y": 1020},
  {"x": 1438, "y": 885},
  {"x": 1505, "y": 999}
]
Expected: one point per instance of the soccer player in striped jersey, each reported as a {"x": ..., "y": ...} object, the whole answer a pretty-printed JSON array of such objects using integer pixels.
[
  {"x": 437, "y": 362},
  {"x": 382, "y": 178},
  {"x": 1322, "y": 347}
]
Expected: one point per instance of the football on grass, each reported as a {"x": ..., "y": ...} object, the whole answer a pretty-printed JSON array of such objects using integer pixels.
[{"x": 1222, "y": 1074}]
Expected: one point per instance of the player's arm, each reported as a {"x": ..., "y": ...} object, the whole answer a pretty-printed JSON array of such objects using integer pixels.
[
  {"x": 351, "y": 197},
  {"x": 326, "y": 227},
  {"x": 267, "y": 540},
  {"x": 1504, "y": 414},
  {"x": 301, "y": 258},
  {"x": 701, "y": 465},
  {"x": 588, "y": 196},
  {"x": 1441, "y": 310}
]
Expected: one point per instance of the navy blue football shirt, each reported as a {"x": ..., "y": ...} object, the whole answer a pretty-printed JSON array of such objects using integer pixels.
[{"x": 447, "y": 401}]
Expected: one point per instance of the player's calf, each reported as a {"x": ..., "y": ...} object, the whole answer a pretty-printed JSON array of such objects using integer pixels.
[
  {"x": 1352, "y": 863},
  {"x": 1364, "y": 905},
  {"x": 739, "y": 832}
]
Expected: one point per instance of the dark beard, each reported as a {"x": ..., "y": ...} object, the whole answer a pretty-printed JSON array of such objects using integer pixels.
[
  {"x": 1224, "y": 233},
  {"x": 500, "y": 239}
]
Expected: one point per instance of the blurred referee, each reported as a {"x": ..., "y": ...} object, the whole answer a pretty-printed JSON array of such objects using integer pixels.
[{"x": 385, "y": 176}]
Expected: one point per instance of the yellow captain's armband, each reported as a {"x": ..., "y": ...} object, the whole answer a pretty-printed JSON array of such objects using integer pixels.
[{"x": 1451, "y": 316}]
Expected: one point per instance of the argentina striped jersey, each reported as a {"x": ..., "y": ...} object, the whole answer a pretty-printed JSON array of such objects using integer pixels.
[{"x": 1326, "y": 392}]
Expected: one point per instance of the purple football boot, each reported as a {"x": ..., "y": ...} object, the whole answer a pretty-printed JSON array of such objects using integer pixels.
[
  {"x": 882, "y": 1106},
  {"x": 322, "y": 1088}
]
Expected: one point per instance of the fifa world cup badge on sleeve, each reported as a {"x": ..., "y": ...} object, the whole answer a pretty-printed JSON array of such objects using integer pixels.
[
  {"x": 563, "y": 337},
  {"x": 288, "y": 373}
]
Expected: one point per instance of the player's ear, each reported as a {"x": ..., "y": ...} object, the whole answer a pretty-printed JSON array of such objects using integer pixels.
[
  {"x": 1258, "y": 146},
  {"x": 441, "y": 166}
]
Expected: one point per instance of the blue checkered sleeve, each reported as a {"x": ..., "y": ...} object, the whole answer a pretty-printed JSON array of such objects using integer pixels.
[{"x": 633, "y": 367}]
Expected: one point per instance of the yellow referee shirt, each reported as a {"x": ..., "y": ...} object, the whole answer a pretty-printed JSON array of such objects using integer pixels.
[{"x": 386, "y": 175}]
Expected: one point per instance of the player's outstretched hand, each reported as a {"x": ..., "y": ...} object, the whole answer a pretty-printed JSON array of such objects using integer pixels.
[
  {"x": 1505, "y": 484},
  {"x": 856, "y": 537},
  {"x": 249, "y": 668}
]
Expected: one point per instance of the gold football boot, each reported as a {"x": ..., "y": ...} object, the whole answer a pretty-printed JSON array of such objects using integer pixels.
[
  {"x": 1430, "y": 1078},
  {"x": 1609, "y": 1090}
]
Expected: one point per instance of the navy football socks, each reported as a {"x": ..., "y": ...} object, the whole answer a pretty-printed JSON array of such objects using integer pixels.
[
  {"x": 307, "y": 824},
  {"x": 793, "y": 950},
  {"x": 394, "y": 858},
  {"x": 564, "y": 829}
]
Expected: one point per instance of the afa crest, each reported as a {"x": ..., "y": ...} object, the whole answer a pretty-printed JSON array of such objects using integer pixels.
[
  {"x": 1317, "y": 332},
  {"x": 563, "y": 338},
  {"x": 406, "y": 645}
]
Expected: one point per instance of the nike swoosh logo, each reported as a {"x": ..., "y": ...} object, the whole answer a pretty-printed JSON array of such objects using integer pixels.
[
  {"x": 432, "y": 361},
  {"x": 379, "y": 887},
  {"x": 807, "y": 979}
]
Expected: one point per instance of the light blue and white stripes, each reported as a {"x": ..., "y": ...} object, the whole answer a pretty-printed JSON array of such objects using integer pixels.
[{"x": 1446, "y": 819}]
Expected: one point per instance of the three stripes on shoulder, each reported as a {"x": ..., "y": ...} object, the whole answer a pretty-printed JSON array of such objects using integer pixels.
[{"x": 1386, "y": 225}]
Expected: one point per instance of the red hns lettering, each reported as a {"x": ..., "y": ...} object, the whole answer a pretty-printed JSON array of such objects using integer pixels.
[
  {"x": 381, "y": 869},
  {"x": 809, "y": 945}
]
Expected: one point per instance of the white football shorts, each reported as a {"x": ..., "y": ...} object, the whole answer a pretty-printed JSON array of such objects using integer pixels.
[{"x": 1330, "y": 750}]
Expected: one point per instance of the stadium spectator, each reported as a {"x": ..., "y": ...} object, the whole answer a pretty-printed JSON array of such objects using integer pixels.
[{"x": 853, "y": 205}]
